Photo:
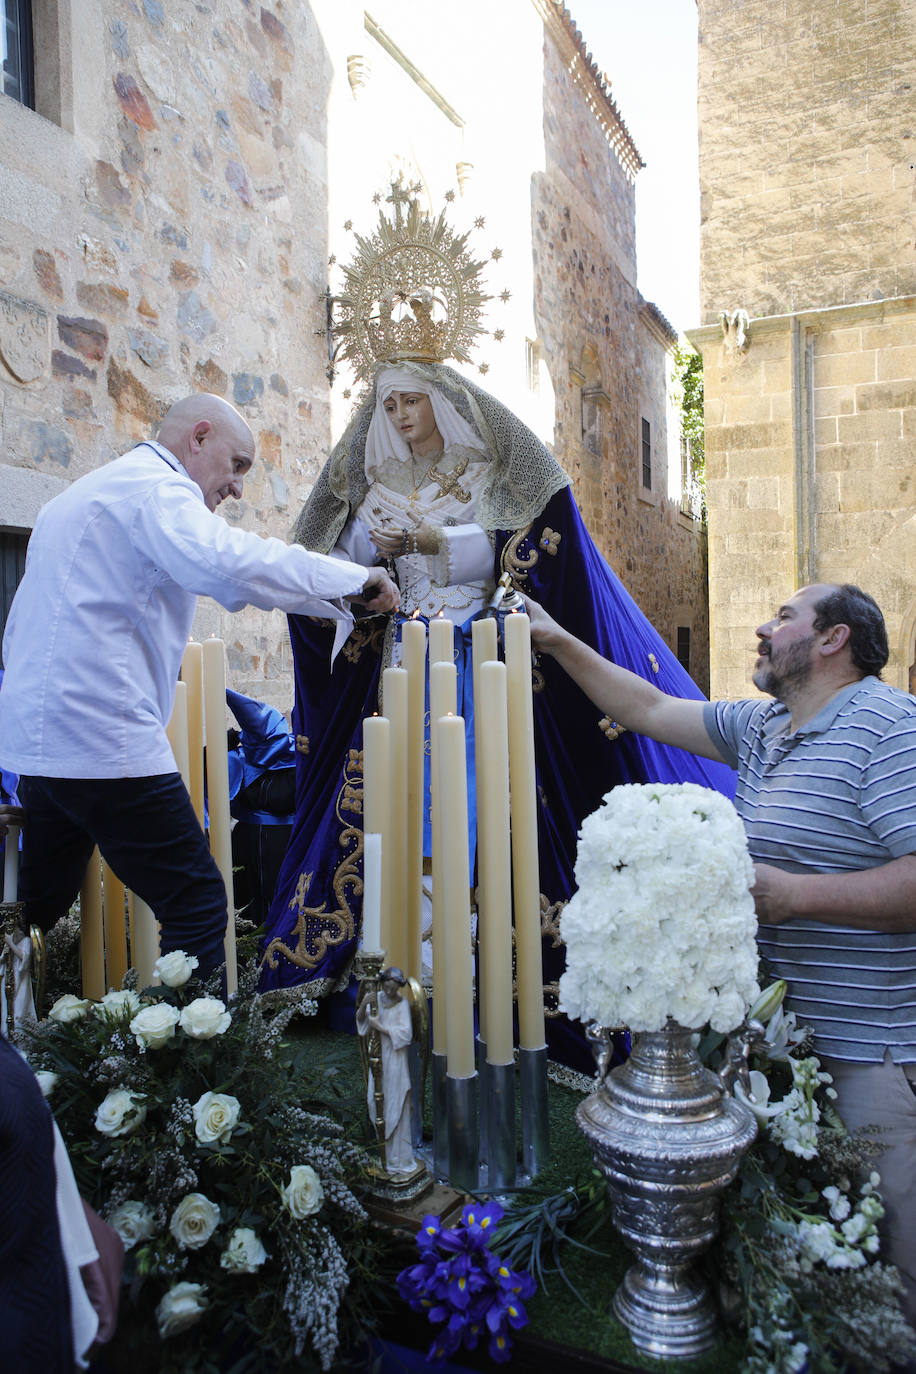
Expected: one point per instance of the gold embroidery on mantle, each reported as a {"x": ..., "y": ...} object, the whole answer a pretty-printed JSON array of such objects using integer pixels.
[
  {"x": 550, "y": 919},
  {"x": 365, "y": 636},
  {"x": 550, "y": 540},
  {"x": 611, "y": 728},
  {"x": 512, "y": 561},
  {"x": 318, "y": 930},
  {"x": 351, "y": 794},
  {"x": 653, "y": 663},
  {"x": 537, "y": 679},
  {"x": 302, "y": 744}
]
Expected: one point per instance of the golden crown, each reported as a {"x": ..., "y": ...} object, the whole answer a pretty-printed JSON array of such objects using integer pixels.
[{"x": 412, "y": 292}]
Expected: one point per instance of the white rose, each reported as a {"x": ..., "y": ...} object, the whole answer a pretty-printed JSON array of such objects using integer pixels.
[
  {"x": 68, "y": 1008},
  {"x": 175, "y": 968},
  {"x": 303, "y": 1194},
  {"x": 215, "y": 1117},
  {"x": 193, "y": 1221},
  {"x": 121, "y": 1112},
  {"x": 181, "y": 1308},
  {"x": 118, "y": 1002},
  {"x": 154, "y": 1026},
  {"x": 46, "y": 1081},
  {"x": 244, "y": 1253},
  {"x": 205, "y": 1017},
  {"x": 133, "y": 1222}
]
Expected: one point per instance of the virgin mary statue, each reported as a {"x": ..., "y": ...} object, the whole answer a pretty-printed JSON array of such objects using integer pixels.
[{"x": 438, "y": 479}]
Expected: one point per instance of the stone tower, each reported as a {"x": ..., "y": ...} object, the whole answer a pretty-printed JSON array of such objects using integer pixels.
[{"x": 807, "y": 116}]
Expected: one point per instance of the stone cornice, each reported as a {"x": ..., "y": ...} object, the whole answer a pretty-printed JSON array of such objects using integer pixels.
[
  {"x": 658, "y": 325},
  {"x": 829, "y": 315},
  {"x": 595, "y": 85}
]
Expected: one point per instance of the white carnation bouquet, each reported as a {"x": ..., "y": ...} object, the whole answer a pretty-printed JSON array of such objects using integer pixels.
[{"x": 663, "y": 922}]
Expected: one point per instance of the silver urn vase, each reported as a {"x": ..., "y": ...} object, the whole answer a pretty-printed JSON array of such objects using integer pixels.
[{"x": 668, "y": 1139}]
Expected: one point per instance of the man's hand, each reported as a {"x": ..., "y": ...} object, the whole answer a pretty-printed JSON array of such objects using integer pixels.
[
  {"x": 10, "y": 815},
  {"x": 773, "y": 894},
  {"x": 880, "y": 898},
  {"x": 378, "y": 593},
  {"x": 545, "y": 632}
]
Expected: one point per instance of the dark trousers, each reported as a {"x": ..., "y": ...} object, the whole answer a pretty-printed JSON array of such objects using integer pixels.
[{"x": 147, "y": 832}]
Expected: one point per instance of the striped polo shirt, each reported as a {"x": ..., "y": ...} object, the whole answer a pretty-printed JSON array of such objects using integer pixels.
[{"x": 838, "y": 795}]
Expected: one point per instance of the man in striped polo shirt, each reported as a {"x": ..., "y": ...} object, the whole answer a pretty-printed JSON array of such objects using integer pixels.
[{"x": 827, "y": 792}]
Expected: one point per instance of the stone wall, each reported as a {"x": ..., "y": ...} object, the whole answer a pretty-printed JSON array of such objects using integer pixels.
[
  {"x": 609, "y": 356},
  {"x": 165, "y": 232},
  {"x": 166, "y": 224},
  {"x": 807, "y": 168},
  {"x": 807, "y": 153}
]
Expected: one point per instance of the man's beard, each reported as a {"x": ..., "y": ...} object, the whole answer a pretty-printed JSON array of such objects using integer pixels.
[{"x": 788, "y": 672}]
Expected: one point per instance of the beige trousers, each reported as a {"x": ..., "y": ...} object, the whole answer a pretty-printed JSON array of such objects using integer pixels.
[{"x": 884, "y": 1095}]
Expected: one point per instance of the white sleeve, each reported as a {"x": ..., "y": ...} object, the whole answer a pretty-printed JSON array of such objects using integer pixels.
[
  {"x": 465, "y": 555},
  {"x": 208, "y": 557},
  {"x": 354, "y": 543}
]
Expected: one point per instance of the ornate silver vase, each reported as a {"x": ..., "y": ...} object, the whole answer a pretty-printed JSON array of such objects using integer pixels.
[{"x": 668, "y": 1139}]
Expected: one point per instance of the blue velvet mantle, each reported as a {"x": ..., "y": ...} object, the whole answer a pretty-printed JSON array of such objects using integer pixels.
[{"x": 314, "y": 920}]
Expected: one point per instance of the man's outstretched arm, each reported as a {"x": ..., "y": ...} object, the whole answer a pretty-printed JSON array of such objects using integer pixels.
[{"x": 627, "y": 698}]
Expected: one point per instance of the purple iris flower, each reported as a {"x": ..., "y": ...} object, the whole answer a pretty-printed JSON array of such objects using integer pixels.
[{"x": 460, "y": 1283}]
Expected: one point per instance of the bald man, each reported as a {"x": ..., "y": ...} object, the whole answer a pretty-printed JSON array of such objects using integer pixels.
[{"x": 92, "y": 652}]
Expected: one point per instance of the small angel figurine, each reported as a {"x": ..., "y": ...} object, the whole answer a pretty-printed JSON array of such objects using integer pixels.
[{"x": 390, "y": 1016}]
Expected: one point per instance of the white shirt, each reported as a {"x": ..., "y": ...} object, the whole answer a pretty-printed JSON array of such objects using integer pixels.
[{"x": 98, "y": 626}]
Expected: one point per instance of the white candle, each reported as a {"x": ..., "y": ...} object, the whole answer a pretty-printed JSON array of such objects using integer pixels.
[
  {"x": 372, "y": 891},
  {"x": 443, "y": 701},
  {"x": 114, "y": 927},
  {"x": 11, "y": 865},
  {"x": 413, "y": 650},
  {"x": 214, "y": 663},
  {"x": 177, "y": 732},
  {"x": 376, "y": 809},
  {"x": 144, "y": 943},
  {"x": 394, "y": 704},
  {"x": 92, "y": 947},
  {"x": 192, "y": 677},
  {"x": 453, "y": 813},
  {"x": 494, "y": 889},
  {"x": 441, "y": 640},
  {"x": 483, "y": 650},
  {"x": 526, "y": 878}
]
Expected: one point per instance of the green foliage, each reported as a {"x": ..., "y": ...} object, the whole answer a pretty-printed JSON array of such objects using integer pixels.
[
  {"x": 308, "y": 1280},
  {"x": 688, "y": 395}
]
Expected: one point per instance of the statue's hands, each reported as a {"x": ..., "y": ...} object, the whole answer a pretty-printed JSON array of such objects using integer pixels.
[
  {"x": 410, "y": 536},
  {"x": 378, "y": 593}
]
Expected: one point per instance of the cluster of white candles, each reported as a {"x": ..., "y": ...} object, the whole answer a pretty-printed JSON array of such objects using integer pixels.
[
  {"x": 507, "y": 852},
  {"x": 199, "y": 714}
]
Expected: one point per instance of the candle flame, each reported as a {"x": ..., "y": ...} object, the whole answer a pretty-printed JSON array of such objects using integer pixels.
[{"x": 416, "y": 614}]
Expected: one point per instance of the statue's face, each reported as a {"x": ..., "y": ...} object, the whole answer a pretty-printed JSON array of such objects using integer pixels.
[
  {"x": 411, "y": 413},
  {"x": 391, "y": 989}
]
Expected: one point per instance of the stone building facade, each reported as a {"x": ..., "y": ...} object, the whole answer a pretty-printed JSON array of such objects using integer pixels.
[
  {"x": 808, "y": 172},
  {"x": 169, "y": 209},
  {"x": 610, "y": 355}
]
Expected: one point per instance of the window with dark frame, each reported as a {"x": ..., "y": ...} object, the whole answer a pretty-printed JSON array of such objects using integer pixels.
[
  {"x": 18, "y": 63},
  {"x": 647, "y": 454},
  {"x": 13, "y": 544},
  {"x": 683, "y": 646}
]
